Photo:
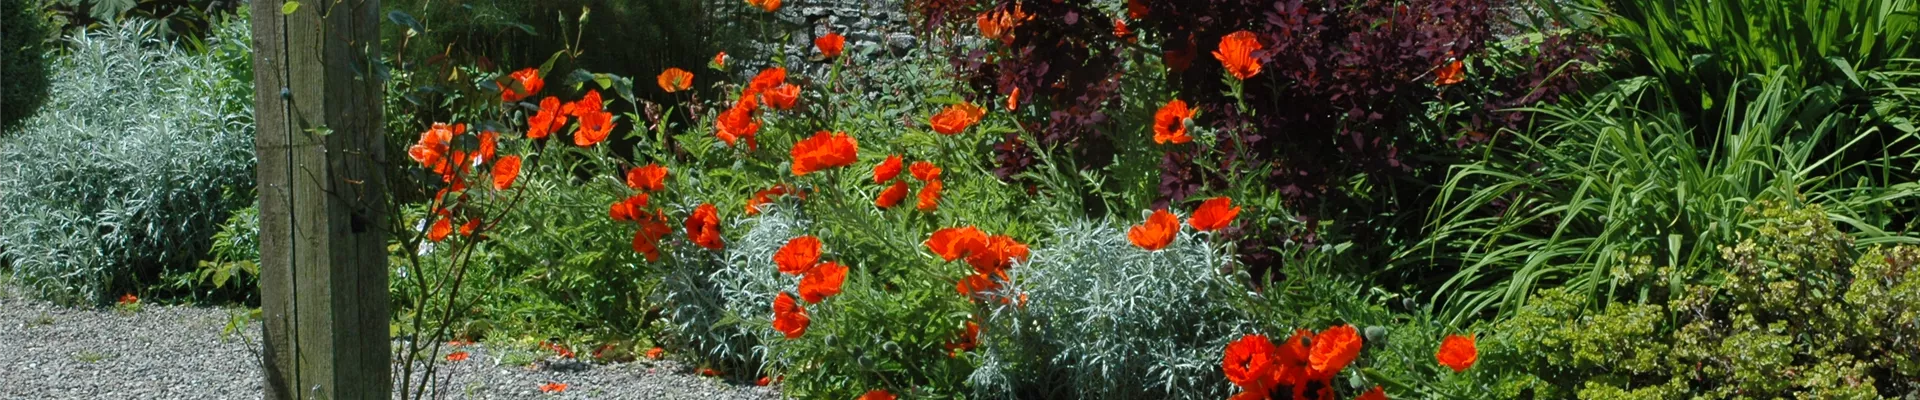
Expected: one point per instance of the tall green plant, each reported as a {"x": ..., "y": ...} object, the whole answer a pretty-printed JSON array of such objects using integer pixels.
[{"x": 1619, "y": 176}]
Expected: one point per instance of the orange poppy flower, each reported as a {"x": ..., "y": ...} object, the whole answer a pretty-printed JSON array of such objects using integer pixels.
[
  {"x": 1290, "y": 360},
  {"x": 434, "y": 149},
  {"x": 1332, "y": 350},
  {"x": 594, "y": 128},
  {"x": 952, "y": 243},
  {"x": 1450, "y": 74},
  {"x": 767, "y": 79},
  {"x": 822, "y": 281},
  {"x": 1170, "y": 123},
  {"x": 467, "y": 228},
  {"x": 528, "y": 79},
  {"x": 877, "y": 394},
  {"x": 925, "y": 171},
  {"x": 656, "y": 353},
  {"x": 651, "y": 177},
  {"x": 888, "y": 169},
  {"x": 892, "y": 196},
  {"x": 976, "y": 286},
  {"x": 1213, "y": 214},
  {"x": 968, "y": 340},
  {"x": 763, "y": 381},
  {"x": 739, "y": 123},
  {"x": 703, "y": 227},
  {"x": 1157, "y": 232},
  {"x": 782, "y": 97},
  {"x": 457, "y": 356},
  {"x": 830, "y": 44},
  {"x": 675, "y": 79},
  {"x": 553, "y": 387},
  {"x": 129, "y": 298},
  {"x": 1120, "y": 30},
  {"x": 798, "y": 255},
  {"x": 709, "y": 372},
  {"x": 588, "y": 104},
  {"x": 442, "y": 227},
  {"x": 929, "y": 197},
  {"x": 630, "y": 209},
  {"x": 505, "y": 171},
  {"x": 766, "y": 196},
  {"x": 1249, "y": 363},
  {"x": 646, "y": 241},
  {"x": 1457, "y": 352},
  {"x": 489, "y": 143},
  {"x": 1373, "y": 394},
  {"x": 1236, "y": 53},
  {"x": 1013, "y": 100},
  {"x": 789, "y": 317},
  {"x": 956, "y": 118},
  {"x": 996, "y": 254},
  {"x": 824, "y": 150},
  {"x": 769, "y": 5},
  {"x": 998, "y": 25},
  {"x": 719, "y": 61},
  {"x": 548, "y": 120}
]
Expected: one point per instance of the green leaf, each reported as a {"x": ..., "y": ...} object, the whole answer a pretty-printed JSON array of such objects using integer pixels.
[
  {"x": 110, "y": 10},
  {"x": 289, "y": 8}
]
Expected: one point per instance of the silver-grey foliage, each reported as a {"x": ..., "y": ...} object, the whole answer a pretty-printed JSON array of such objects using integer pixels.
[
  {"x": 722, "y": 304},
  {"x": 1107, "y": 320},
  {"x": 142, "y": 150}
]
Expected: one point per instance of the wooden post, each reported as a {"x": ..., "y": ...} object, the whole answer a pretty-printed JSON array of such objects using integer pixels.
[{"x": 323, "y": 199}]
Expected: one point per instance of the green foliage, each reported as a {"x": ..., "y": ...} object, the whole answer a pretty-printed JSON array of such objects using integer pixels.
[
  {"x": 1105, "y": 319},
  {"x": 151, "y": 150},
  {"x": 1618, "y": 176},
  {"x": 23, "y": 54},
  {"x": 1793, "y": 314},
  {"x": 232, "y": 268}
]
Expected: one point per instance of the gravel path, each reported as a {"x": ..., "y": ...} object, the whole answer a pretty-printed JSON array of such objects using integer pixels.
[{"x": 178, "y": 352}]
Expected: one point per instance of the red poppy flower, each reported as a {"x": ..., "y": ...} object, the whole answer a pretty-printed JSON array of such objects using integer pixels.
[
  {"x": 782, "y": 97},
  {"x": 739, "y": 123},
  {"x": 719, "y": 61},
  {"x": 709, "y": 372},
  {"x": 830, "y": 44},
  {"x": 703, "y": 227},
  {"x": 976, "y": 286},
  {"x": 798, "y": 255},
  {"x": 129, "y": 298},
  {"x": 998, "y": 253},
  {"x": 956, "y": 118},
  {"x": 1290, "y": 360},
  {"x": 489, "y": 142},
  {"x": 457, "y": 356},
  {"x": 888, "y": 169},
  {"x": 646, "y": 241},
  {"x": 1332, "y": 350},
  {"x": 630, "y": 209},
  {"x": 588, "y": 104},
  {"x": 1450, "y": 74},
  {"x": 505, "y": 171},
  {"x": 1373, "y": 394},
  {"x": 952, "y": 243},
  {"x": 553, "y": 387},
  {"x": 877, "y": 394},
  {"x": 434, "y": 149},
  {"x": 1136, "y": 9},
  {"x": 767, "y": 79},
  {"x": 1157, "y": 232},
  {"x": 766, "y": 196},
  {"x": 929, "y": 197},
  {"x": 822, "y": 281},
  {"x": 1236, "y": 53},
  {"x": 769, "y": 5},
  {"x": 1249, "y": 363},
  {"x": 1457, "y": 352},
  {"x": 925, "y": 171},
  {"x": 789, "y": 317},
  {"x": 1120, "y": 30},
  {"x": 442, "y": 227},
  {"x": 1170, "y": 123},
  {"x": 656, "y": 353},
  {"x": 466, "y": 229},
  {"x": 651, "y": 177},
  {"x": 892, "y": 196},
  {"x": 528, "y": 79},
  {"x": 674, "y": 80},
  {"x": 824, "y": 150},
  {"x": 969, "y": 339},
  {"x": 594, "y": 128},
  {"x": 548, "y": 120},
  {"x": 763, "y": 381},
  {"x": 1213, "y": 214}
]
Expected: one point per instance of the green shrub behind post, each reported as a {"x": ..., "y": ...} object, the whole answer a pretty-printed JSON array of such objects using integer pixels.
[{"x": 23, "y": 37}]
